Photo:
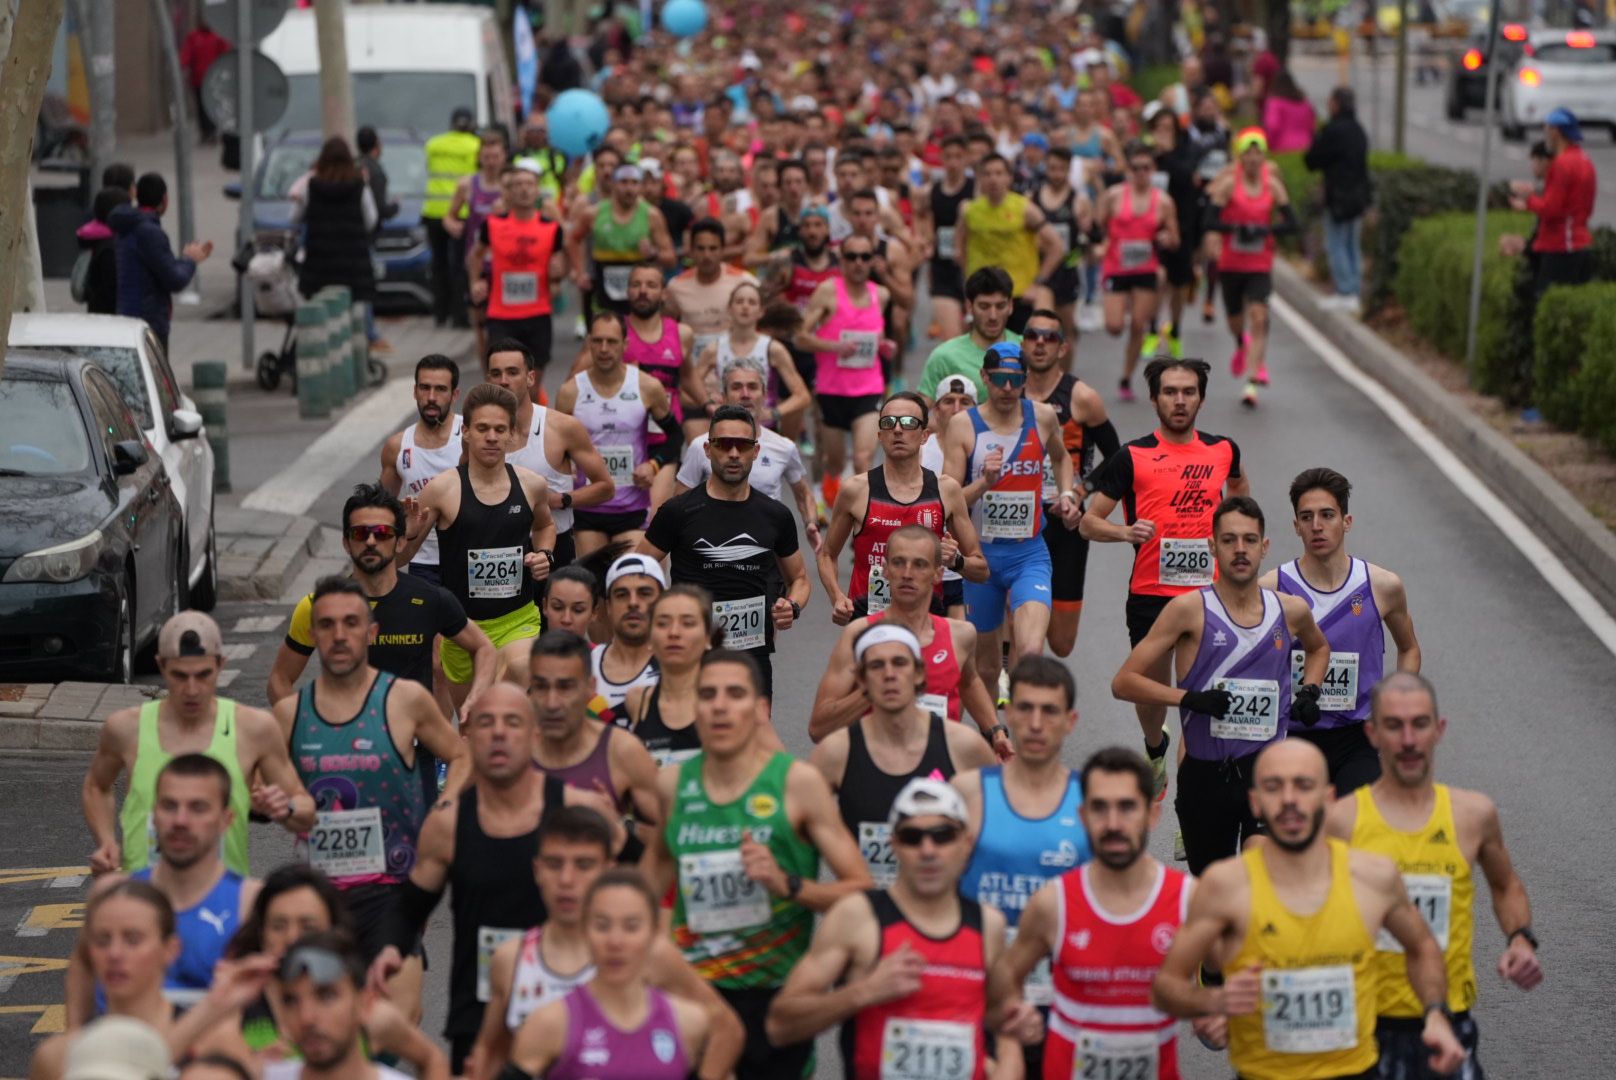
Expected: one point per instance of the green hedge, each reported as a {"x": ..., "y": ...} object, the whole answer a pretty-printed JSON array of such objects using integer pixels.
[
  {"x": 1433, "y": 285},
  {"x": 1149, "y": 81},
  {"x": 1574, "y": 325},
  {"x": 1404, "y": 197}
]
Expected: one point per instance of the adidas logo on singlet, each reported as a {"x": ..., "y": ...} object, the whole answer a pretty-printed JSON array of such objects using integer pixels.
[
  {"x": 1269, "y": 929},
  {"x": 1439, "y": 837}
]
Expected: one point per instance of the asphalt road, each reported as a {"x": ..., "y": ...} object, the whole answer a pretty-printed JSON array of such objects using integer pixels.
[
  {"x": 1524, "y": 684},
  {"x": 1432, "y": 136}
]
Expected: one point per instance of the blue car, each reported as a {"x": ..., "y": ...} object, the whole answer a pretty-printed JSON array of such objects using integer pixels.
[{"x": 400, "y": 251}]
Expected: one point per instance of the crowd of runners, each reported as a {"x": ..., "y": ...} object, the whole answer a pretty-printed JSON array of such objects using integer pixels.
[{"x": 834, "y": 266}]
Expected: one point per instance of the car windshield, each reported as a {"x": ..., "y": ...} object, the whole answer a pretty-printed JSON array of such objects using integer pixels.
[
  {"x": 41, "y": 428},
  {"x": 405, "y": 164},
  {"x": 385, "y": 99},
  {"x": 1568, "y": 54},
  {"x": 122, "y": 366}
]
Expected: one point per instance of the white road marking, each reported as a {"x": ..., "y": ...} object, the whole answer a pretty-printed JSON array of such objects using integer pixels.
[
  {"x": 228, "y": 676},
  {"x": 66, "y": 881},
  {"x": 295, "y": 488},
  {"x": 1545, "y": 561},
  {"x": 238, "y": 650},
  {"x": 257, "y": 624}
]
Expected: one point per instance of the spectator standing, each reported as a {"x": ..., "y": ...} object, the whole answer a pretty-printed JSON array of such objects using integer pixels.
[
  {"x": 1341, "y": 153},
  {"x": 148, "y": 273},
  {"x": 1563, "y": 207},
  {"x": 369, "y": 146},
  {"x": 335, "y": 205},
  {"x": 96, "y": 242},
  {"x": 198, "y": 51},
  {"x": 1287, "y": 115},
  {"x": 451, "y": 156}
]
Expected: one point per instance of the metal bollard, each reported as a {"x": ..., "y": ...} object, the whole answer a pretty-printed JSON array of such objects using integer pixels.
[
  {"x": 208, "y": 391},
  {"x": 313, "y": 399},
  {"x": 339, "y": 366},
  {"x": 361, "y": 346}
]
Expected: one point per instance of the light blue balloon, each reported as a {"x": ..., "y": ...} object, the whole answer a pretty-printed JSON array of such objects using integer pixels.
[
  {"x": 684, "y": 18},
  {"x": 578, "y": 122}
]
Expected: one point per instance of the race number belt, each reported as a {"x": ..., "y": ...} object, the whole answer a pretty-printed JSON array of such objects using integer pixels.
[{"x": 1253, "y": 714}]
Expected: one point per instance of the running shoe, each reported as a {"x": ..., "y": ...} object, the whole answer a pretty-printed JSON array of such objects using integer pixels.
[
  {"x": 580, "y": 328},
  {"x": 1179, "y": 854},
  {"x": 1237, "y": 362},
  {"x": 821, "y": 509},
  {"x": 1175, "y": 344},
  {"x": 1125, "y": 394},
  {"x": 1004, "y": 689},
  {"x": 1088, "y": 317},
  {"x": 1151, "y": 343},
  {"x": 1261, "y": 377},
  {"x": 1249, "y": 398},
  {"x": 1207, "y": 315},
  {"x": 1158, "y": 767}
]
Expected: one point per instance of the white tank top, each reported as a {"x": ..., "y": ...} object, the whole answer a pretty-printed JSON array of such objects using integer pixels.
[
  {"x": 727, "y": 356},
  {"x": 533, "y": 458},
  {"x": 534, "y": 985},
  {"x": 931, "y": 457},
  {"x": 616, "y": 693},
  {"x": 417, "y": 465}
]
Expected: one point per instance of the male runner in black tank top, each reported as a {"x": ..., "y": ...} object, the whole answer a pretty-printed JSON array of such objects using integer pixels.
[
  {"x": 484, "y": 845},
  {"x": 936, "y": 219},
  {"x": 495, "y": 537},
  {"x": 1070, "y": 214},
  {"x": 868, "y": 763},
  {"x": 1084, "y": 425}
]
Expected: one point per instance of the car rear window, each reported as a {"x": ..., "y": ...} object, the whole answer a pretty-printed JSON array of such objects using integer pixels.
[
  {"x": 41, "y": 428},
  {"x": 1566, "y": 54},
  {"x": 122, "y": 366}
]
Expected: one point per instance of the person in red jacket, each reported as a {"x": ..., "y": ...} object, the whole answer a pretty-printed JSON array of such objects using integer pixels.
[
  {"x": 1563, "y": 208},
  {"x": 198, "y": 51}
]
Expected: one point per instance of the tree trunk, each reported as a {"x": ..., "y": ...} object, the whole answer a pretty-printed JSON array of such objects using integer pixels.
[
  {"x": 27, "y": 39},
  {"x": 336, "y": 88},
  {"x": 1278, "y": 26},
  {"x": 1156, "y": 45}
]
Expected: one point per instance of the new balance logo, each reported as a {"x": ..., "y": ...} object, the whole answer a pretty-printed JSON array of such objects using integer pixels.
[
  {"x": 515, "y": 509},
  {"x": 1269, "y": 930}
]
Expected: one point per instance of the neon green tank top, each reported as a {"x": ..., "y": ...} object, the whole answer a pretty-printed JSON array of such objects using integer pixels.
[
  {"x": 730, "y": 929},
  {"x": 135, "y": 818},
  {"x": 612, "y": 241}
]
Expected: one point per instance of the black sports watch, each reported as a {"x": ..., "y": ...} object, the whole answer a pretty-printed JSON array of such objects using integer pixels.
[
  {"x": 1442, "y": 1008},
  {"x": 959, "y": 561},
  {"x": 995, "y": 729},
  {"x": 796, "y": 609},
  {"x": 1523, "y": 932},
  {"x": 793, "y": 886},
  {"x": 566, "y": 500}
]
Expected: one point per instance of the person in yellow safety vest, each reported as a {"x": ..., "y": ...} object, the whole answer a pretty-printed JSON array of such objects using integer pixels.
[{"x": 450, "y": 157}]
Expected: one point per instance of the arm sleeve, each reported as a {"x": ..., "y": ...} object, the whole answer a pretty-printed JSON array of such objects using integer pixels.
[
  {"x": 299, "y": 635},
  {"x": 1103, "y": 438},
  {"x": 666, "y": 452},
  {"x": 1287, "y": 221},
  {"x": 451, "y": 616},
  {"x": 1114, "y": 477},
  {"x": 1212, "y": 220}
]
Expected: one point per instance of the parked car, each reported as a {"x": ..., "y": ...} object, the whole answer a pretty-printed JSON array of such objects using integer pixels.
[
  {"x": 1562, "y": 69},
  {"x": 1467, "y": 72},
  {"x": 91, "y": 560},
  {"x": 132, "y": 357},
  {"x": 400, "y": 250}
]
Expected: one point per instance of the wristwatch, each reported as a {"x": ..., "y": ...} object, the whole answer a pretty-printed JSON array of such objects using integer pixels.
[
  {"x": 566, "y": 500},
  {"x": 1441, "y": 1007},
  {"x": 994, "y": 731},
  {"x": 796, "y": 608},
  {"x": 1523, "y": 932},
  {"x": 959, "y": 561},
  {"x": 793, "y": 886}
]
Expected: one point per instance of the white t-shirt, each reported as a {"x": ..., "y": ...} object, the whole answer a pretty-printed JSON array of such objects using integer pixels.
[
  {"x": 931, "y": 457},
  {"x": 293, "y": 1070},
  {"x": 778, "y": 463}
]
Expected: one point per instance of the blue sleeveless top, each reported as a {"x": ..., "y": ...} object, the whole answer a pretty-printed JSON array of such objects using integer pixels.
[{"x": 1015, "y": 855}]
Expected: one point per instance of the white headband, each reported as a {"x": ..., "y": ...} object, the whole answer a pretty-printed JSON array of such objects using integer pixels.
[{"x": 880, "y": 634}]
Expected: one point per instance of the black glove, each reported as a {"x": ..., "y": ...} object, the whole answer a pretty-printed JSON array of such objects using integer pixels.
[
  {"x": 1305, "y": 704},
  {"x": 1211, "y": 702}
]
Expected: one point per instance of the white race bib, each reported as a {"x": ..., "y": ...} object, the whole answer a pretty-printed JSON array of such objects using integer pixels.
[
  {"x": 344, "y": 843},
  {"x": 718, "y": 895},
  {"x": 934, "y": 703},
  {"x": 1185, "y": 560},
  {"x": 673, "y": 757},
  {"x": 489, "y": 939},
  {"x": 1008, "y": 515},
  {"x": 879, "y": 592},
  {"x": 1049, "y": 494},
  {"x": 1254, "y": 246},
  {"x": 928, "y": 1050},
  {"x": 946, "y": 248},
  {"x": 615, "y": 278},
  {"x": 1310, "y": 1010},
  {"x": 875, "y": 844},
  {"x": 519, "y": 287},
  {"x": 1063, "y": 229},
  {"x": 619, "y": 464},
  {"x": 1253, "y": 714},
  {"x": 1115, "y": 1055},
  {"x": 743, "y": 622},
  {"x": 493, "y": 573},
  {"x": 1135, "y": 254},
  {"x": 1433, "y": 897},
  {"x": 1340, "y": 687},
  {"x": 868, "y": 344}
]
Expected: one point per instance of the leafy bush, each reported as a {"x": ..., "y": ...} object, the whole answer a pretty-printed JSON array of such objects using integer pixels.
[
  {"x": 1404, "y": 196},
  {"x": 1433, "y": 286},
  {"x": 1599, "y": 390},
  {"x": 1574, "y": 324},
  {"x": 1149, "y": 81}
]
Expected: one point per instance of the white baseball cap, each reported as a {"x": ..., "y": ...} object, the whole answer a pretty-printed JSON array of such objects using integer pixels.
[
  {"x": 630, "y": 565},
  {"x": 922, "y": 797},
  {"x": 117, "y": 1048}
]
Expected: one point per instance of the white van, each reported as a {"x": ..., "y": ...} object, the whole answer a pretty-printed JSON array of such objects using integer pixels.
[{"x": 412, "y": 65}]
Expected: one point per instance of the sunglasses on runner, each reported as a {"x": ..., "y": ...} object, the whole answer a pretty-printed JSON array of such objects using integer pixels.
[
  {"x": 323, "y": 967},
  {"x": 912, "y": 835},
  {"x": 361, "y": 533},
  {"x": 858, "y": 256},
  {"x": 1043, "y": 335},
  {"x": 1006, "y": 380},
  {"x": 729, "y": 444},
  {"x": 907, "y": 423}
]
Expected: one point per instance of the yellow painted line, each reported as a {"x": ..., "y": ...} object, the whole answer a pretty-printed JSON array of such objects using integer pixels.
[
  {"x": 22, "y": 875},
  {"x": 52, "y": 1018},
  {"x": 43, "y": 917},
  {"x": 13, "y": 966}
]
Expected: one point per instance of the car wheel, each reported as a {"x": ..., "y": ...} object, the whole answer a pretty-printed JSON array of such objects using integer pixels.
[
  {"x": 268, "y": 371},
  {"x": 1455, "y": 109},
  {"x": 121, "y": 667},
  {"x": 205, "y": 593},
  {"x": 376, "y": 371}
]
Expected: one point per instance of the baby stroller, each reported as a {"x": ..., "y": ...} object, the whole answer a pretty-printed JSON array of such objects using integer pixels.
[{"x": 273, "y": 277}]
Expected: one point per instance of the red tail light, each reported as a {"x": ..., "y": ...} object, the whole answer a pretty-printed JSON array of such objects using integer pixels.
[
  {"x": 1531, "y": 77},
  {"x": 1580, "y": 39},
  {"x": 1472, "y": 60},
  {"x": 1514, "y": 32}
]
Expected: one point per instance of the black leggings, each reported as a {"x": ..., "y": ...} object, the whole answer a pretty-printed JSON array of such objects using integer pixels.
[{"x": 1214, "y": 809}]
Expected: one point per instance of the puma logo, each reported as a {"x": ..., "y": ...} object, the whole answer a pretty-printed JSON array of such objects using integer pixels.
[{"x": 215, "y": 919}]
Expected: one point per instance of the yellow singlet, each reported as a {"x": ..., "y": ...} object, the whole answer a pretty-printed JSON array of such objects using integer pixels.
[
  {"x": 998, "y": 236},
  {"x": 1439, "y": 882},
  {"x": 1317, "y": 1018}
]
